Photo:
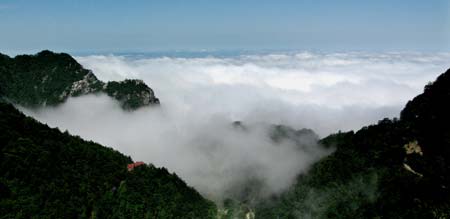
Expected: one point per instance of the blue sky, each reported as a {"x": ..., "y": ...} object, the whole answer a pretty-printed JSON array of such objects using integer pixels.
[{"x": 140, "y": 26}]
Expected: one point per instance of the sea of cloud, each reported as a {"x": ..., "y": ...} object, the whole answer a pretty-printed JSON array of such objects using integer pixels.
[
  {"x": 323, "y": 91},
  {"x": 191, "y": 132}
]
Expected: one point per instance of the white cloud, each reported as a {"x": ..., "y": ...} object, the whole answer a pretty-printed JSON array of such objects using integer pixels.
[
  {"x": 191, "y": 134},
  {"x": 320, "y": 84},
  {"x": 204, "y": 149}
]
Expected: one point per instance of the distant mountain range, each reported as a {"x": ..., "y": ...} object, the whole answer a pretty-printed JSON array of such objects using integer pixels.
[{"x": 49, "y": 78}]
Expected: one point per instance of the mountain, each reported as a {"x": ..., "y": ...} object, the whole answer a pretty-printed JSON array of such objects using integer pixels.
[
  {"x": 45, "y": 173},
  {"x": 49, "y": 78},
  {"x": 398, "y": 168}
]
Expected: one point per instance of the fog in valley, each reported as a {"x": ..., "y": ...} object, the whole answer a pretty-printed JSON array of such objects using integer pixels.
[{"x": 192, "y": 133}]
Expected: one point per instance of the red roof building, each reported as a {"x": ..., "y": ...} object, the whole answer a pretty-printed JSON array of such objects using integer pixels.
[{"x": 131, "y": 166}]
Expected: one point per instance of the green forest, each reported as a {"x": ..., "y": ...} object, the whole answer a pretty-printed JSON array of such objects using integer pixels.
[
  {"x": 49, "y": 78},
  {"x": 372, "y": 174},
  {"x": 45, "y": 173},
  {"x": 397, "y": 168}
]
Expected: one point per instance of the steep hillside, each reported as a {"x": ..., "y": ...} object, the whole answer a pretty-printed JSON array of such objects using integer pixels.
[
  {"x": 49, "y": 78},
  {"x": 48, "y": 174},
  {"x": 395, "y": 169}
]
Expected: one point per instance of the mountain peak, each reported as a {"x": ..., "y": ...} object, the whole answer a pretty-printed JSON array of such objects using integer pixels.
[{"x": 49, "y": 78}]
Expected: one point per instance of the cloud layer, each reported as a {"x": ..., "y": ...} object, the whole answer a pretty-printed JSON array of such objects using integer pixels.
[
  {"x": 191, "y": 133},
  {"x": 322, "y": 91}
]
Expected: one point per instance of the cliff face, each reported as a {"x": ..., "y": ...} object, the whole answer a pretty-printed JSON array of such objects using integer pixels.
[{"x": 49, "y": 78}]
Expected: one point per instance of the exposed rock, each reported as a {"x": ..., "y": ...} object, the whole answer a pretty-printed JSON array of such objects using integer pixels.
[
  {"x": 413, "y": 147},
  {"x": 49, "y": 78},
  {"x": 407, "y": 167},
  {"x": 89, "y": 84}
]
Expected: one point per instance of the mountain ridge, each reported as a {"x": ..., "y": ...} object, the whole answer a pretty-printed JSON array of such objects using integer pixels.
[
  {"x": 49, "y": 78},
  {"x": 397, "y": 168}
]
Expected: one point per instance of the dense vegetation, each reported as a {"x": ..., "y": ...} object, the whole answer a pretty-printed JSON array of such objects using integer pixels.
[
  {"x": 49, "y": 78},
  {"x": 48, "y": 174},
  {"x": 397, "y": 168},
  {"x": 132, "y": 93}
]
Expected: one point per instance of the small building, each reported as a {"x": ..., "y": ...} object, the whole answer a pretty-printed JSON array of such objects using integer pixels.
[{"x": 131, "y": 166}]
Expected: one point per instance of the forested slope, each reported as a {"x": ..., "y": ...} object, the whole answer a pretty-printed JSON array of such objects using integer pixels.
[
  {"x": 398, "y": 168},
  {"x": 48, "y": 174}
]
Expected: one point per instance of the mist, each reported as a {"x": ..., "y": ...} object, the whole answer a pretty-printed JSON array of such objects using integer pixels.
[{"x": 191, "y": 133}]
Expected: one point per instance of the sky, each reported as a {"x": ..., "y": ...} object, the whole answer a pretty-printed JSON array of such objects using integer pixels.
[
  {"x": 141, "y": 26},
  {"x": 323, "y": 65}
]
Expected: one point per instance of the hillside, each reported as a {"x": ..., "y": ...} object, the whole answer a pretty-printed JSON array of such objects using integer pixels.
[
  {"x": 49, "y": 78},
  {"x": 397, "y": 168},
  {"x": 48, "y": 174}
]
